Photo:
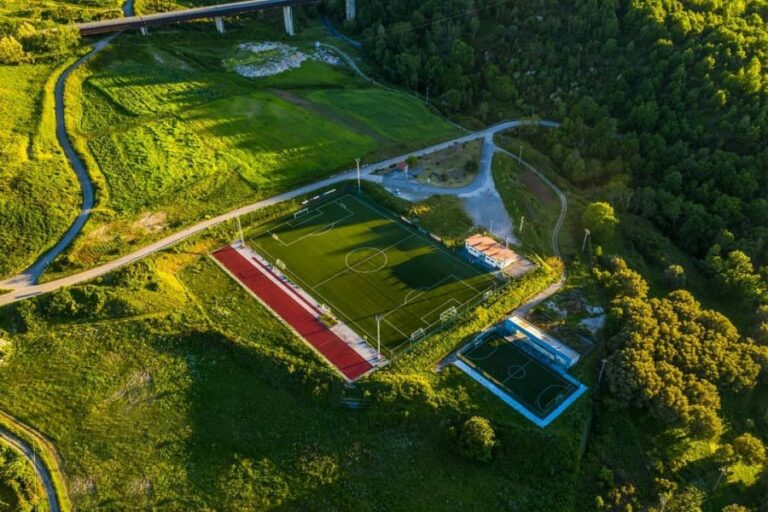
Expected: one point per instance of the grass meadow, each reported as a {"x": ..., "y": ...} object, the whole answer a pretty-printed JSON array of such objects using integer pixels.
[
  {"x": 165, "y": 385},
  {"x": 39, "y": 194},
  {"x": 171, "y": 136}
]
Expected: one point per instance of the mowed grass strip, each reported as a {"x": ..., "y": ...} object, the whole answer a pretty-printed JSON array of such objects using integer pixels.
[
  {"x": 361, "y": 263},
  {"x": 530, "y": 382}
]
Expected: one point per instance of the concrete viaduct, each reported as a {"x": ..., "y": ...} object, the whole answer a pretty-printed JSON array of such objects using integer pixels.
[{"x": 217, "y": 12}]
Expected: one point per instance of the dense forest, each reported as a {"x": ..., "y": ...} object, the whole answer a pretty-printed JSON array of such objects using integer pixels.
[
  {"x": 664, "y": 111},
  {"x": 663, "y": 102}
]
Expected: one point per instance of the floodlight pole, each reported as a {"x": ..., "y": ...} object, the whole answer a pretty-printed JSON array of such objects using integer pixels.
[
  {"x": 520, "y": 158},
  {"x": 240, "y": 228},
  {"x": 522, "y": 221},
  {"x": 584, "y": 243},
  {"x": 378, "y": 336},
  {"x": 357, "y": 160},
  {"x": 602, "y": 368}
]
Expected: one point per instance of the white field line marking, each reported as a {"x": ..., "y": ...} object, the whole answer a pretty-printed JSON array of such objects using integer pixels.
[
  {"x": 298, "y": 221},
  {"x": 519, "y": 366},
  {"x": 481, "y": 358},
  {"x": 284, "y": 287},
  {"x": 407, "y": 301},
  {"x": 347, "y": 269},
  {"x": 441, "y": 308},
  {"x": 289, "y": 222},
  {"x": 544, "y": 409},
  {"x": 394, "y": 327},
  {"x": 434, "y": 245}
]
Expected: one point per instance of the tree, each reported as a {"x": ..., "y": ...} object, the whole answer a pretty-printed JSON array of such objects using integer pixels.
[
  {"x": 725, "y": 456},
  {"x": 735, "y": 508},
  {"x": 675, "y": 276},
  {"x": 412, "y": 162},
  {"x": 704, "y": 423},
  {"x": 11, "y": 51},
  {"x": 477, "y": 439},
  {"x": 470, "y": 167},
  {"x": 749, "y": 449},
  {"x": 600, "y": 219}
]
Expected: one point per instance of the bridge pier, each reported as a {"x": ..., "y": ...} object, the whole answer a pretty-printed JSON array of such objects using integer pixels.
[
  {"x": 219, "y": 24},
  {"x": 350, "y": 10},
  {"x": 288, "y": 18}
]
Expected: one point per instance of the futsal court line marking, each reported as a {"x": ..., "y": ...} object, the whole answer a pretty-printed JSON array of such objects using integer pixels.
[
  {"x": 520, "y": 366},
  {"x": 347, "y": 269},
  {"x": 538, "y": 397},
  {"x": 482, "y": 358}
]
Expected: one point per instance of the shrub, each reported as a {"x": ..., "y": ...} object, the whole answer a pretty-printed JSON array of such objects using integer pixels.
[
  {"x": 11, "y": 51},
  {"x": 749, "y": 449},
  {"x": 477, "y": 439}
]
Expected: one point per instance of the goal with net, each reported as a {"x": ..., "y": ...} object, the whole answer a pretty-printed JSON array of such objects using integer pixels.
[
  {"x": 448, "y": 314},
  {"x": 417, "y": 334}
]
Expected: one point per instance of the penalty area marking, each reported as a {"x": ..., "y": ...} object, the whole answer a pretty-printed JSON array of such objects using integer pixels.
[
  {"x": 556, "y": 399},
  {"x": 482, "y": 358}
]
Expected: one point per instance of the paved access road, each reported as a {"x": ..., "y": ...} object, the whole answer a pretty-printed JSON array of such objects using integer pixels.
[{"x": 22, "y": 290}]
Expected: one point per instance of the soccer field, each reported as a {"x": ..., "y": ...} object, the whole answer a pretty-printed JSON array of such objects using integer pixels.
[
  {"x": 536, "y": 386},
  {"x": 360, "y": 262}
]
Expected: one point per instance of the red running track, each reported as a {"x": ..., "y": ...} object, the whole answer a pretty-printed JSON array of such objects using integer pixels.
[{"x": 338, "y": 353}]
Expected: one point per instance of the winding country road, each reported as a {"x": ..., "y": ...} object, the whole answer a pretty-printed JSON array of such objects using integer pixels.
[
  {"x": 19, "y": 446},
  {"x": 32, "y": 274}
]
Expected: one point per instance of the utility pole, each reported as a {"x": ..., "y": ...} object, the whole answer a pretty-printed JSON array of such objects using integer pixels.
[
  {"x": 602, "y": 368},
  {"x": 522, "y": 221},
  {"x": 664, "y": 499},
  {"x": 240, "y": 228},
  {"x": 584, "y": 243},
  {"x": 357, "y": 160},
  {"x": 378, "y": 335},
  {"x": 520, "y": 158}
]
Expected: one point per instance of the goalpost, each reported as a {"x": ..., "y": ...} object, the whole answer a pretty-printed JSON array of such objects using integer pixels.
[
  {"x": 448, "y": 314},
  {"x": 301, "y": 212},
  {"x": 417, "y": 334},
  {"x": 280, "y": 264}
]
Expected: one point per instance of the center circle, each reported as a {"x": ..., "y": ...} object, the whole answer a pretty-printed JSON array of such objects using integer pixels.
[{"x": 366, "y": 259}]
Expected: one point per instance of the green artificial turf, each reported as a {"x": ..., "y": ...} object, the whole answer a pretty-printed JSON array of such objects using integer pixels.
[
  {"x": 530, "y": 382},
  {"x": 360, "y": 262}
]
